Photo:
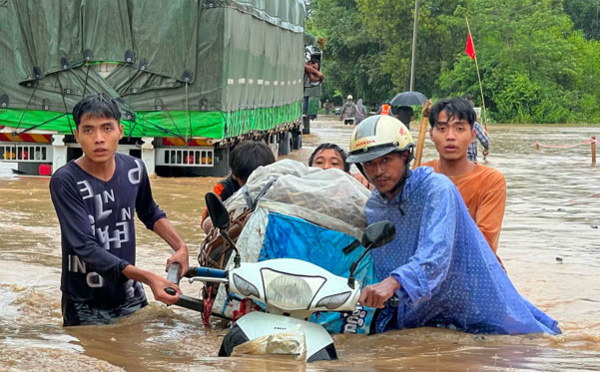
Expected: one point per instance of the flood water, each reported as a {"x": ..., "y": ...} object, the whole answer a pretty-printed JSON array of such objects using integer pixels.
[{"x": 550, "y": 245}]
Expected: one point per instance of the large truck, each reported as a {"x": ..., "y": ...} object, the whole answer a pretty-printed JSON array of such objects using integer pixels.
[{"x": 192, "y": 78}]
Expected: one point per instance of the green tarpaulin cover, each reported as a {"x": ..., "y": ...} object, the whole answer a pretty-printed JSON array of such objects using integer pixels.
[{"x": 190, "y": 68}]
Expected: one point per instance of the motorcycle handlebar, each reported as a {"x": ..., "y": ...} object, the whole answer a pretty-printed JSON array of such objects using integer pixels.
[
  {"x": 206, "y": 272},
  {"x": 173, "y": 273},
  {"x": 188, "y": 302}
]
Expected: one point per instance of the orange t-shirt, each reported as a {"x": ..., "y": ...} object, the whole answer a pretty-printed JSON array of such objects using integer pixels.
[{"x": 484, "y": 193}]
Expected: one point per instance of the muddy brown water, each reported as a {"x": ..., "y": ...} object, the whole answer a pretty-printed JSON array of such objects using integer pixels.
[{"x": 552, "y": 214}]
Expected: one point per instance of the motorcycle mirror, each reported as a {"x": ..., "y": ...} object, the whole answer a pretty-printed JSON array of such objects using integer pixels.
[
  {"x": 220, "y": 219},
  {"x": 217, "y": 211},
  {"x": 378, "y": 234}
]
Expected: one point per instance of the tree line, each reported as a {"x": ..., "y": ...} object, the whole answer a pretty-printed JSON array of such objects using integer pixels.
[{"x": 539, "y": 60}]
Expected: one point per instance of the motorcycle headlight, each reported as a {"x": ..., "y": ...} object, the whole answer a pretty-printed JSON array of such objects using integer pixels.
[
  {"x": 288, "y": 291},
  {"x": 334, "y": 301},
  {"x": 245, "y": 287}
]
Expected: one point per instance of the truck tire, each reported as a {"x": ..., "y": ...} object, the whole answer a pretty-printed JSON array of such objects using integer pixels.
[
  {"x": 296, "y": 140},
  {"x": 285, "y": 144},
  {"x": 273, "y": 143},
  {"x": 306, "y": 125}
]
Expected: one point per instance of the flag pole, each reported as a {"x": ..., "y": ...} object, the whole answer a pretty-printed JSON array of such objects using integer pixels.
[{"x": 478, "y": 78}]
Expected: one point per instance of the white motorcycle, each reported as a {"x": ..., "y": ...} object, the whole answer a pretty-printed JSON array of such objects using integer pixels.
[{"x": 291, "y": 291}]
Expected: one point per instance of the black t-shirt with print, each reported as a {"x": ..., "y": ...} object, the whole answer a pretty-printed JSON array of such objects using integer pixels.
[{"x": 98, "y": 231}]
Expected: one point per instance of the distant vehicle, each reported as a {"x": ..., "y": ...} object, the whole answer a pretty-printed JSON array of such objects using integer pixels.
[{"x": 337, "y": 110}]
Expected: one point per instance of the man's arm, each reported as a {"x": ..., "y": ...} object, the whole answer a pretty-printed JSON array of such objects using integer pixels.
[
  {"x": 376, "y": 295},
  {"x": 156, "y": 282},
  {"x": 426, "y": 270},
  {"x": 77, "y": 231},
  {"x": 165, "y": 230},
  {"x": 490, "y": 212},
  {"x": 156, "y": 220},
  {"x": 363, "y": 180},
  {"x": 313, "y": 74},
  {"x": 482, "y": 137}
]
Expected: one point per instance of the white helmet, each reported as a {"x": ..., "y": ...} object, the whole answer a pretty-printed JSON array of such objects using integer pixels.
[
  {"x": 379, "y": 135},
  {"x": 349, "y": 97}
]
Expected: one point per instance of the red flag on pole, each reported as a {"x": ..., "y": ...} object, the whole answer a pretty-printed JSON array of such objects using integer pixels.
[{"x": 470, "y": 49}]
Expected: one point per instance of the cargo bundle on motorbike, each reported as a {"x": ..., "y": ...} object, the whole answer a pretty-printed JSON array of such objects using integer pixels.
[{"x": 291, "y": 211}]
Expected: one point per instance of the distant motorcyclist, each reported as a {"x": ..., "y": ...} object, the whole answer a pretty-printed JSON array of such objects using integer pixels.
[{"x": 348, "y": 112}]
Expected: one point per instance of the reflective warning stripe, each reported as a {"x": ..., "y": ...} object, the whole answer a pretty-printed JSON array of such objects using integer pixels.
[
  {"x": 26, "y": 137},
  {"x": 176, "y": 141}
]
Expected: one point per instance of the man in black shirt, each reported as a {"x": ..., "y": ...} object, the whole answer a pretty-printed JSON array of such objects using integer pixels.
[
  {"x": 405, "y": 114},
  {"x": 95, "y": 198}
]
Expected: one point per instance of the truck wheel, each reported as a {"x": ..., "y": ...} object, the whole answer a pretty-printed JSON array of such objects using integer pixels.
[
  {"x": 306, "y": 124},
  {"x": 296, "y": 140},
  {"x": 285, "y": 144},
  {"x": 273, "y": 143}
]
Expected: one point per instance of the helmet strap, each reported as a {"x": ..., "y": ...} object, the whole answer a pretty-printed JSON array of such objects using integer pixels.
[{"x": 402, "y": 181}]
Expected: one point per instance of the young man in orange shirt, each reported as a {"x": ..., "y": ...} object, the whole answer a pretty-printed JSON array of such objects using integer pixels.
[{"x": 483, "y": 189}]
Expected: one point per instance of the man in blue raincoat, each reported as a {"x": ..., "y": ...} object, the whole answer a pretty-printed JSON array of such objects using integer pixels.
[{"x": 439, "y": 265}]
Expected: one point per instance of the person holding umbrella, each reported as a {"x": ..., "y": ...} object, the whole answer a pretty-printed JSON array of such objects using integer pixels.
[{"x": 405, "y": 114}]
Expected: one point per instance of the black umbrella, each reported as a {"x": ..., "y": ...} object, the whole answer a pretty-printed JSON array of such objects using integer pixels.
[{"x": 408, "y": 99}]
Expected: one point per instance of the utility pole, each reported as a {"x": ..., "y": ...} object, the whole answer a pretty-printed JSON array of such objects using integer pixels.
[{"x": 414, "y": 46}]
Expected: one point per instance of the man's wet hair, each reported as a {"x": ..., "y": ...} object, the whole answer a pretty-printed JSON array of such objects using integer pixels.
[
  {"x": 247, "y": 156},
  {"x": 455, "y": 108},
  {"x": 98, "y": 105},
  {"x": 330, "y": 146}
]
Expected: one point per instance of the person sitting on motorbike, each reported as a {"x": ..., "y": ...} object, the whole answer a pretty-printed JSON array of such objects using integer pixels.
[
  {"x": 243, "y": 160},
  {"x": 330, "y": 155},
  {"x": 439, "y": 265}
]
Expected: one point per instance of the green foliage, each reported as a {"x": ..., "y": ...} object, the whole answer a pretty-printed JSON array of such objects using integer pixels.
[
  {"x": 351, "y": 58},
  {"x": 585, "y": 15},
  {"x": 534, "y": 66}
]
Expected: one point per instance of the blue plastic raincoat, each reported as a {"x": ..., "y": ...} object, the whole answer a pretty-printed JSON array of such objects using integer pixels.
[{"x": 448, "y": 274}]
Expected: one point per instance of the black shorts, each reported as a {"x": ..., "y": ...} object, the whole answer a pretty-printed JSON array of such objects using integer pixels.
[{"x": 83, "y": 313}]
